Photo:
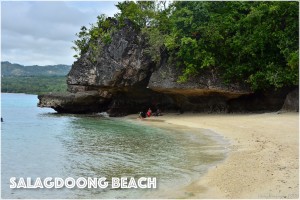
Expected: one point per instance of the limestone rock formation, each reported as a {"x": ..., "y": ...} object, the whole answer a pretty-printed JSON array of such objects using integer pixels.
[
  {"x": 209, "y": 81},
  {"x": 80, "y": 102},
  {"x": 122, "y": 79},
  {"x": 205, "y": 92},
  {"x": 291, "y": 102},
  {"x": 122, "y": 63}
]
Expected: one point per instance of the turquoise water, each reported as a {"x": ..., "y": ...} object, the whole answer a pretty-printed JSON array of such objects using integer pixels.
[{"x": 38, "y": 142}]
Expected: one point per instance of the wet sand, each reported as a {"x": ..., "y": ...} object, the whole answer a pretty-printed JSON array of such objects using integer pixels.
[{"x": 263, "y": 159}]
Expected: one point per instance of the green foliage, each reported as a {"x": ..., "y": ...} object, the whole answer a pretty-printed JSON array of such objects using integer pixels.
[
  {"x": 81, "y": 44},
  {"x": 151, "y": 19},
  {"x": 34, "y": 84},
  {"x": 156, "y": 41},
  {"x": 94, "y": 38},
  {"x": 141, "y": 13},
  {"x": 34, "y": 79},
  {"x": 254, "y": 42}
]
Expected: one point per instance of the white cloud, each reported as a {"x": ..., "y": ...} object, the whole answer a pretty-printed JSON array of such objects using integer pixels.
[{"x": 41, "y": 33}]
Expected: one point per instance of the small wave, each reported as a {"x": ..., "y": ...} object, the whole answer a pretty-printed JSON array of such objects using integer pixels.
[{"x": 103, "y": 114}]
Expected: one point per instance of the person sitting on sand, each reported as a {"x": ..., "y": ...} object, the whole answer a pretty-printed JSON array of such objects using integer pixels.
[
  {"x": 149, "y": 112},
  {"x": 141, "y": 115},
  {"x": 157, "y": 113}
]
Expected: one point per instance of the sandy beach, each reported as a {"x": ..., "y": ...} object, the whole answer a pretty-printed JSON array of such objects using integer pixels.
[{"x": 263, "y": 159}]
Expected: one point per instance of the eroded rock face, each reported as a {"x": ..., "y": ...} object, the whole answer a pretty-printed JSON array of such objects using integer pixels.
[
  {"x": 205, "y": 92},
  {"x": 208, "y": 82},
  {"x": 291, "y": 102},
  {"x": 80, "y": 102},
  {"x": 258, "y": 102},
  {"x": 122, "y": 63},
  {"x": 135, "y": 100}
]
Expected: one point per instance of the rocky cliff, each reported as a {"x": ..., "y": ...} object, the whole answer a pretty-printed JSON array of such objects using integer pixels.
[
  {"x": 122, "y": 79},
  {"x": 122, "y": 63},
  {"x": 291, "y": 102}
]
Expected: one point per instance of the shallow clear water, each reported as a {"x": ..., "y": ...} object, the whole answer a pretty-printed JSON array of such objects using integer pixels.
[{"x": 38, "y": 142}]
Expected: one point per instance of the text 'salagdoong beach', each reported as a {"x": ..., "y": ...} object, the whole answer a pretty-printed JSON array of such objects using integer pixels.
[{"x": 230, "y": 68}]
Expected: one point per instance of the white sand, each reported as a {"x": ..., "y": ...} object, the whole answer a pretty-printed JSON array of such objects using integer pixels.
[{"x": 263, "y": 161}]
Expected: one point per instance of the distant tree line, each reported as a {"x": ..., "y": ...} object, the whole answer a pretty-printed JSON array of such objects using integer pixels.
[
  {"x": 253, "y": 42},
  {"x": 33, "y": 84},
  {"x": 16, "y": 78}
]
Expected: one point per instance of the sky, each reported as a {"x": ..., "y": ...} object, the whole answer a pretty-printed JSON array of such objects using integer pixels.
[{"x": 41, "y": 32}]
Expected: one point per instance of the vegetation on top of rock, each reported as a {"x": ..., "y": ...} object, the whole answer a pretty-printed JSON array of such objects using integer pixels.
[
  {"x": 247, "y": 42},
  {"x": 94, "y": 38}
]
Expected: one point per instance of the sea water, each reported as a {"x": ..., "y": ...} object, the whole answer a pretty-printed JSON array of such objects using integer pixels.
[{"x": 38, "y": 142}]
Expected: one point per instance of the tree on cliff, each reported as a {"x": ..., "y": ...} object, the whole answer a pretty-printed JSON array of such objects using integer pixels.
[
  {"x": 92, "y": 38},
  {"x": 255, "y": 42},
  {"x": 247, "y": 42}
]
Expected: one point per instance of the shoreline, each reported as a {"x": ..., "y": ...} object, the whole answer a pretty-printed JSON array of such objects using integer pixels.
[{"x": 263, "y": 157}]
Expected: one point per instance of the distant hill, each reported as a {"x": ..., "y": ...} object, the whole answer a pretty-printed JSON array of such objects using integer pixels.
[
  {"x": 16, "y": 78},
  {"x": 9, "y": 69}
]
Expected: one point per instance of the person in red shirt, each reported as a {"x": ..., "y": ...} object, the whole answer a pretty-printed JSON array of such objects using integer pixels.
[{"x": 149, "y": 112}]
